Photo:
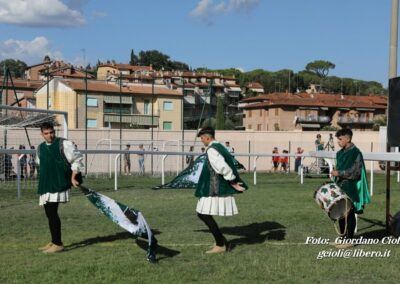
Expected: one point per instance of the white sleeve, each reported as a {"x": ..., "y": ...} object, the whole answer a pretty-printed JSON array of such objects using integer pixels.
[
  {"x": 219, "y": 165},
  {"x": 37, "y": 160},
  {"x": 74, "y": 157}
]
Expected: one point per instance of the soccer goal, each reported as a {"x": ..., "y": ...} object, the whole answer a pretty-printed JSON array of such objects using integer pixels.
[{"x": 19, "y": 137}]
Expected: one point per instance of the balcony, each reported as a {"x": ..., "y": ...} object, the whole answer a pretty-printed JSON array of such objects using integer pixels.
[
  {"x": 313, "y": 119},
  {"x": 117, "y": 110},
  {"x": 354, "y": 120},
  {"x": 135, "y": 119}
]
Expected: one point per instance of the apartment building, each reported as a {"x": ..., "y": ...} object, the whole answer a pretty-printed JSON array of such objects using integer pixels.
[
  {"x": 307, "y": 111},
  {"x": 108, "y": 104}
]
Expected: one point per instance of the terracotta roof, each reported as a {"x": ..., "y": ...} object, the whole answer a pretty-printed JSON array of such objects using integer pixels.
[
  {"x": 103, "y": 87},
  {"x": 255, "y": 85},
  {"x": 25, "y": 84},
  {"x": 315, "y": 100},
  {"x": 128, "y": 67}
]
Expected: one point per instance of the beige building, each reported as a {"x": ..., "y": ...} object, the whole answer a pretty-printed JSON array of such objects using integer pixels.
[
  {"x": 303, "y": 111},
  {"x": 126, "y": 70},
  {"x": 108, "y": 104}
]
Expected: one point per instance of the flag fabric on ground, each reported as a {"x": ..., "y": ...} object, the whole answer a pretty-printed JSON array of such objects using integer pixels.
[
  {"x": 189, "y": 177},
  {"x": 129, "y": 219}
]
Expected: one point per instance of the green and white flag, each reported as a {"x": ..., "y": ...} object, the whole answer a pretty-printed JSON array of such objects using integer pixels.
[
  {"x": 189, "y": 177},
  {"x": 129, "y": 219}
]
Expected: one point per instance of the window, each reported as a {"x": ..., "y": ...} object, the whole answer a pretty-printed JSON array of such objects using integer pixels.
[
  {"x": 249, "y": 126},
  {"x": 146, "y": 107},
  {"x": 168, "y": 106},
  {"x": 167, "y": 125},
  {"x": 261, "y": 112},
  {"x": 91, "y": 123},
  {"x": 249, "y": 113},
  {"x": 276, "y": 111},
  {"x": 258, "y": 127},
  {"x": 92, "y": 102}
]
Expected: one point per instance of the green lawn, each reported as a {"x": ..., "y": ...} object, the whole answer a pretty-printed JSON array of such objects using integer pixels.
[{"x": 268, "y": 237}]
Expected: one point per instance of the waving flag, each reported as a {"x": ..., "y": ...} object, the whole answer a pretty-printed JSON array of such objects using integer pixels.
[
  {"x": 189, "y": 177},
  {"x": 129, "y": 219}
]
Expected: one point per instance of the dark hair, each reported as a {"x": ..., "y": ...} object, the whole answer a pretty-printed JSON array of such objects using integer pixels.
[
  {"x": 128, "y": 145},
  {"x": 285, "y": 151},
  {"x": 46, "y": 125},
  {"x": 207, "y": 130},
  {"x": 344, "y": 132}
]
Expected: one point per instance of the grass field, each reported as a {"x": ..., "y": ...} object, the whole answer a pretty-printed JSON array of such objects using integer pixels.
[{"x": 268, "y": 238}]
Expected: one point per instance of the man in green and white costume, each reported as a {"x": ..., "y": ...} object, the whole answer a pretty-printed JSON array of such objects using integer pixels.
[
  {"x": 218, "y": 181},
  {"x": 351, "y": 177},
  {"x": 59, "y": 164}
]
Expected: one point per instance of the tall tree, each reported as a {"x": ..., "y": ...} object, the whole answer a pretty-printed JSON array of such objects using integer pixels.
[
  {"x": 155, "y": 58},
  {"x": 134, "y": 58},
  {"x": 320, "y": 67},
  {"x": 16, "y": 67},
  {"x": 220, "y": 123}
]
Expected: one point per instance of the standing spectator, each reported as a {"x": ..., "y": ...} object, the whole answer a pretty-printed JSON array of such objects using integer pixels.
[
  {"x": 190, "y": 158},
  {"x": 319, "y": 144},
  {"x": 127, "y": 161},
  {"x": 297, "y": 159},
  {"x": 32, "y": 163},
  {"x": 284, "y": 160},
  {"x": 8, "y": 166},
  {"x": 23, "y": 163},
  {"x": 230, "y": 149},
  {"x": 275, "y": 160},
  {"x": 141, "y": 160}
]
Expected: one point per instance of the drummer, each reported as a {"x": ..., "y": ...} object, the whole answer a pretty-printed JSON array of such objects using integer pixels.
[{"x": 350, "y": 176}]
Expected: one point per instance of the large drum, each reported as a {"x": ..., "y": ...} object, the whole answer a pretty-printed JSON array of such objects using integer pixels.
[{"x": 333, "y": 201}]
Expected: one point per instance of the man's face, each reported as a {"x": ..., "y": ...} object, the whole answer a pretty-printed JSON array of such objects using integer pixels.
[
  {"x": 206, "y": 139},
  {"x": 48, "y": 135},
  {"x": 343, "y": 141}
]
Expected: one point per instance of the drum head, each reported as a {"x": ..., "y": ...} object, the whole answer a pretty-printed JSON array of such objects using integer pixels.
[{"x": 340, "y": 209}]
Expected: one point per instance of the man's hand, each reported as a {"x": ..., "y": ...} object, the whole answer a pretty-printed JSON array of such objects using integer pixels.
[
  {"x": 335, "y": 173},
  {"x": 238, "y": 186},
  {"x": 74, "y": 182}
]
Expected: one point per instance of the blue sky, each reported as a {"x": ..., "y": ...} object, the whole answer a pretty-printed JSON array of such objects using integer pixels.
[{"x": 246, "y": 34}]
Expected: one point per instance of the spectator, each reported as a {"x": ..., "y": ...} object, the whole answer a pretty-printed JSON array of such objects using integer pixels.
[
  {"x": 23, "y": 163},
  {"x": 275, "y": 160},
  {"x": 141, "y": 160},
  {"x": 127, "y": 161},
  {"x": 319, "y": 144},
  {"x": 32, "y": 163},
  {"x": 230, "y": 149},
  {"x": 284, "y": 160},
  {"x": 297, "y": 159},
  {"x": 190, "y": 158}
]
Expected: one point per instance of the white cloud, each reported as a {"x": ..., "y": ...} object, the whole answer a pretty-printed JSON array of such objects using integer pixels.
[
  {"x": 31, "y": 52},
  {"x": 208, "y": 9},
  {"x": 39, "y": 13}
]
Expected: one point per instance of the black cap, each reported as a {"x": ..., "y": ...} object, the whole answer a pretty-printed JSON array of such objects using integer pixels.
[{"x": 206, "y": 130}]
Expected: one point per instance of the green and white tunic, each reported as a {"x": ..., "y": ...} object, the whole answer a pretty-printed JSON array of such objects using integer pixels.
[
  {"x": 55, "y": 173},
  {"x": 214, "y": 189}
]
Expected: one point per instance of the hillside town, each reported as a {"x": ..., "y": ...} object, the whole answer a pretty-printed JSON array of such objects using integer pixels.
[{"x": 134, "y": 96}]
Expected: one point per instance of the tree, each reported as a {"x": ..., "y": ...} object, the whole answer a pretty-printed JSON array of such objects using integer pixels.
[
  {"x": 155, "y": 58},
  {"x": 134, "y": 58},
  {"x": 220, "y": 124},
  {"x": 16, "y": 67},
  {"x": 320, "y": 67}
]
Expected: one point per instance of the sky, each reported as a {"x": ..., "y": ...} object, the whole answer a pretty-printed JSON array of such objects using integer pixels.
[{"x": 243, "y": 34}]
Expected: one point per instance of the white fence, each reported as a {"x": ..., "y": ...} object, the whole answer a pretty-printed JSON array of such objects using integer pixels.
[{"x": 21, "y": 180}]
